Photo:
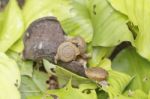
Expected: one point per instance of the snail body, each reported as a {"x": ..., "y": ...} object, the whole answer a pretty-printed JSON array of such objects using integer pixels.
[
  {"x": 67, "y": 52},
  {"x": 80, "y": 43},
  {"x": 96, "y": 73}
]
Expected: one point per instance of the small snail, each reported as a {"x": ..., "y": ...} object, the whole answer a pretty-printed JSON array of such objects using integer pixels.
[
  {"x": 96, "y": 73},
  {"x": 80, "y": 43},
  {"x": 73, "y": 49},
  {"x": 67, "y": 52}
]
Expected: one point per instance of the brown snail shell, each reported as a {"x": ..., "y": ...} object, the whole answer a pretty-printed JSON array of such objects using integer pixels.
[
  {"x": 67, "y": 52},
  {"x": 80, "y": 42},
  {"x": 96, "y": 73}
]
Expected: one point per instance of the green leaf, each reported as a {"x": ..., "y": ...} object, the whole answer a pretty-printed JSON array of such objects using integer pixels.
[
  {"x": 106, "y": 64},
  {"x": 137, "y": 94},
  {"x": 128, "y": 61},
  {"x": 9, "y": 78},
  {"x": 1, "y": 20},
  {"x": 34, "y": 86},
  {"x": 26, "y": 67},
  {"x": 102, "y": 94},
  {"x": 40, "y": 79},
  {"x": 9, "y": 68},
  {"x": 7, "y": 89},
  {"x": 149, "y": 95},
  {"x": 39, "y": 97},
  {"x": 110, "y": 27},
  {"x": 68, "y": 92},
  {"x": 98, "y": 54},
  {"x": 28, "y": 87},
  {"x": 12, "y": 27},
  {"x": 48, "y": 66},
  {"x": 138, "y": 13},
  {"x": 95, "y": 19},
  {"x": 78, "y": 22},
  {"x": 57, "y": 8},
  {"x": 18, "y": 46},
  {"x": 31, "y": 12},
  {"x": 65, "y": 75},
  {"x": 117, "y": 82}
]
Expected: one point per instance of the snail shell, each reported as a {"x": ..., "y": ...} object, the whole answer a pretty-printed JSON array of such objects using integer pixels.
[
  {"x": 80, "y": 42},
  {"x": 67, "y": 52},
  {"x": 96, "y": 73}
]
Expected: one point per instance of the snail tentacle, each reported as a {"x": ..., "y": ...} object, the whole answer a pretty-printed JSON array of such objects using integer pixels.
[{"x": 55, "y": 59}]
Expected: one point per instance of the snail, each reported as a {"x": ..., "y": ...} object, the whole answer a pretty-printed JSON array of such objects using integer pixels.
[
  {"x": 72, "y": 49},
  {"x": 67, "y": 52},
  {"x": 80, "y": 43},
  {"x": 96, "y": 73}
]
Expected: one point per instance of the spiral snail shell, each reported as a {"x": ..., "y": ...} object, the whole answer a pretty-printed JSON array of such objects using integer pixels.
[
  {"x": 80, "y": 43},
  {"x": 66, "y": 52}
]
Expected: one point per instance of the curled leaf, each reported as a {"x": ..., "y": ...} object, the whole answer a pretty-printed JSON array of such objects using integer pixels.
[{"x": 138, "y": 13}]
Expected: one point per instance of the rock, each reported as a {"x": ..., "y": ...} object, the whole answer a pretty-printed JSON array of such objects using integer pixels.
[{"x": 41, "y": 41}]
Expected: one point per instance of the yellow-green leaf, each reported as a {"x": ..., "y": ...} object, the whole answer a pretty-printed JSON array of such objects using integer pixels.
[
  {"x": 12, "y": 26},
  {"x": 138, "y": 12},
  {"x": 130, "y": 62}
]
